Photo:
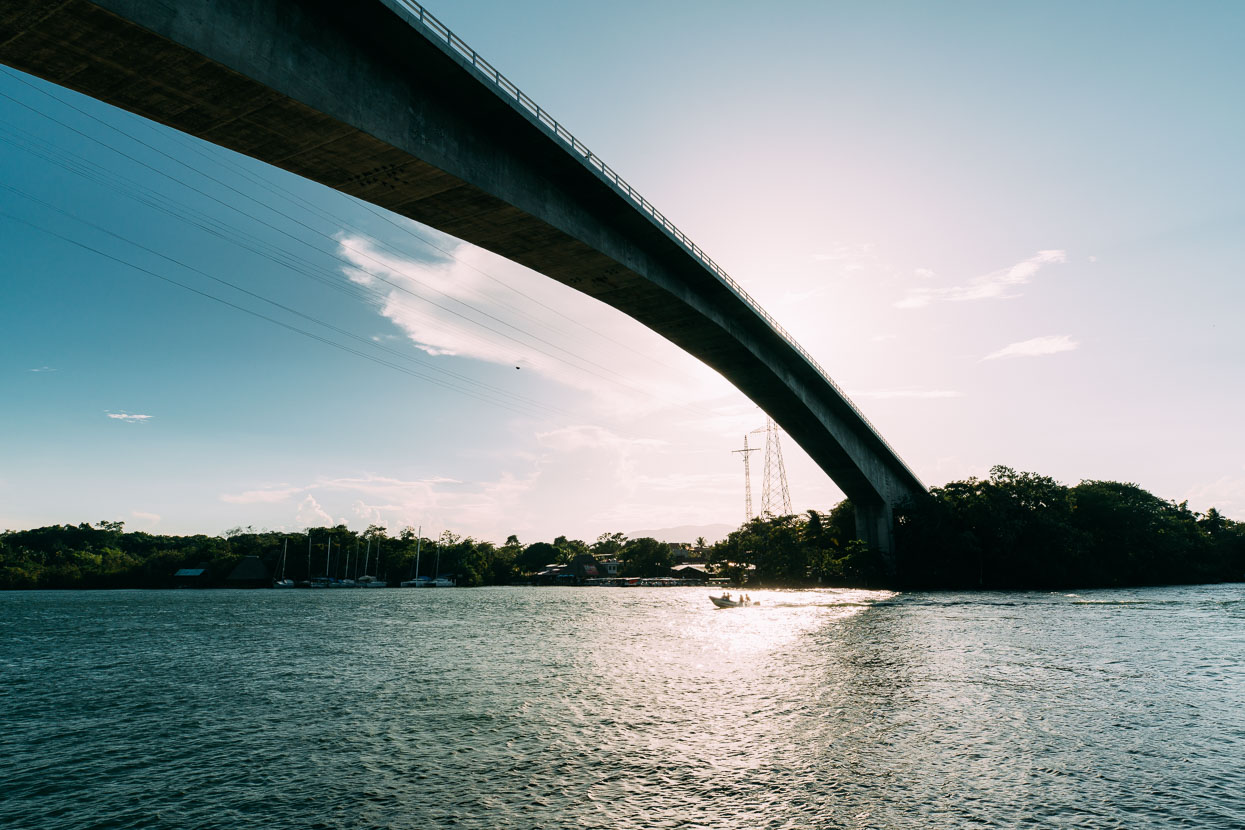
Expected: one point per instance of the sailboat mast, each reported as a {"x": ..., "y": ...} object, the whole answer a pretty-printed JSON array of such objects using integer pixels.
[
  {"x": 419, "y": 540},
  {"x": 367, "y": 556},
  {"x": 284, "y": 548},
  {"x": 328, "y": 552}
]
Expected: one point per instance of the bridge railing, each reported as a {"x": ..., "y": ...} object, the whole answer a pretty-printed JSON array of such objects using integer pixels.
[{"x": 489, "y": 73}]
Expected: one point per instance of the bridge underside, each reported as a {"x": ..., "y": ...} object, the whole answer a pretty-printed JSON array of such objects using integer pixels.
[{"x": 354, "y": 97}]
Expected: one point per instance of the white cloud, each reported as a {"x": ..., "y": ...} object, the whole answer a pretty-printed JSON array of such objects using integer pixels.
[
  {"x": 311, "y": 513},
  {"x": 905, "y": 392},
  {"x": 44, "y": 369},
  {"x": 1226, "y": 494},
  {"x": 386, "y": 501},
  {"x": 128, "y": 418},
  {"x": 997, "y": 285},
  {"x": 598, "y": 479},
  {"x": 569, "y": 439},
  {"x": 459, "y": 306},
  {"x": 916, "y": 299},
  {"x": 924, "y": 273},
  {"x": 435, "y": 504},
  {"x": 368, "y": 513},
  {"x": 1036, "y": 347},
  {"x": 153, "y": 518},
  {"x": 260, "y": 496},
  {"x": 612, "y": 457}
]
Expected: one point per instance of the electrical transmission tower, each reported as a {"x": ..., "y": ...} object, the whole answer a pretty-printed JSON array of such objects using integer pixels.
[
  {"x": 747, "y": 480},
  {"x": 775, "y": 499}
]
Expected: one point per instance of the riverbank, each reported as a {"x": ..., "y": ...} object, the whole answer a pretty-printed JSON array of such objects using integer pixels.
[{"x": 1010, "y": 531}]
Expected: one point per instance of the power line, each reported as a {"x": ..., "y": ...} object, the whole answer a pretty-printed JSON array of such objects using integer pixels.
[
  {"x": 351, "y": 265},
  {"x": 365, "y": 341},
  {"x": 220, "y": 157},
  {"x": 511, "y": 405}
]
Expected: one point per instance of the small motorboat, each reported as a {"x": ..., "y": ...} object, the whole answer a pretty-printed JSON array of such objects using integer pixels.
[{"x": 725, "y": 601}]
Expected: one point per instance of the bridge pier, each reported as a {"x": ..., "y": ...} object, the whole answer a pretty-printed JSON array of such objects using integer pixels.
[{"x": 875, "y": 526}]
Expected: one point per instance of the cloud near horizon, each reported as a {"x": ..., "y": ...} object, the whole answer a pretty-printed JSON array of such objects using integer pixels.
[
  {"x": 271, "y": 496},
  {"x": 394, "y": 503},
  {"x": 997, "y": 285},
  {"x": 600, "y": 480},
  {"x": 1036, "y": 347},
  {"x": 1226, "y": 494},
  {"x": 128, "y": 418},
  {"x": 310, "y": 513}
]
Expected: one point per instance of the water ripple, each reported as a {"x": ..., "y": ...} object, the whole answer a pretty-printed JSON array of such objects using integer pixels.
[{"x": 622, "y": 708}]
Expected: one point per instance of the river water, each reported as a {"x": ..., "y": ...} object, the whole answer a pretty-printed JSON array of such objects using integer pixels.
[{"x": 622, "y": 708}]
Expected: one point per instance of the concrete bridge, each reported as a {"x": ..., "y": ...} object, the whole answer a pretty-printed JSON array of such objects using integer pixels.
[{"x": 375, "y": 98}]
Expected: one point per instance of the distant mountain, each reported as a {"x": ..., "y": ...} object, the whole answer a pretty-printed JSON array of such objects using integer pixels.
[{"x": 685, "y": 533}]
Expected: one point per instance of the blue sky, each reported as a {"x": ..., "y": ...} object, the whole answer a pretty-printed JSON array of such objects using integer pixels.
[{"x": 1012, "y": 233}]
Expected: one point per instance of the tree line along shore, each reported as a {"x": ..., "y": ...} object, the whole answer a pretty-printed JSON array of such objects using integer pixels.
[{"x": 1009, "y": 531}]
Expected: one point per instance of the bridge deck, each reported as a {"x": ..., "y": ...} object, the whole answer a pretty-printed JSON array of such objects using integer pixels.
[{"x": 373, "y": 100}]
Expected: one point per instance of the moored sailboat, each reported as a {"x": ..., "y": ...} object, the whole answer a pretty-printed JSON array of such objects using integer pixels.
[
  {"x": 416, "y": 581},
  {"x": 371, "y": 581},
  {"x": 281, "y": 581}
]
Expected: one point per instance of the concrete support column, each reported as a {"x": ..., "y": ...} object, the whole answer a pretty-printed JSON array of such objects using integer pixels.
[{"x": 875, "y": 527}]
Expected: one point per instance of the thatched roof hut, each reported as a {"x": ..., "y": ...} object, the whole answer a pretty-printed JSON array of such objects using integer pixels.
[{"x": 249, "y": 573}]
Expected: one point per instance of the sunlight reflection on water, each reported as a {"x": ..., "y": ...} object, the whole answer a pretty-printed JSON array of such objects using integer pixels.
[{"x": 621, "y": 708}]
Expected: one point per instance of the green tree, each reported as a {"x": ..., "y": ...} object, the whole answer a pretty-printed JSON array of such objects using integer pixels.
[
  {"x": 467, "y": 560},
  {"x": 568, "y": 549},
  {"x": 646, "y": 557},
  {"x": 502, "y": 566},
  {"x": 1137, "y": 538},
  {"x": 1023, "y": 530},
  {"x": 608, "y": 545},
  {"x": 535, "y": 556}
]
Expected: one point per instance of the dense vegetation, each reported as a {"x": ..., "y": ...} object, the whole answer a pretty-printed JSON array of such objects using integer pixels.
[
  {"x": 809, "y": 549},
  {"x": 1023, "y": 530},
  {"x": 1009, "y": 531},
  {"x": 105, "y": 556}
]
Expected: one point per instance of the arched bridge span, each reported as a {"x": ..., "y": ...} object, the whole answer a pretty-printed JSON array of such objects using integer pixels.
[{"x": 376, "y": 99}]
